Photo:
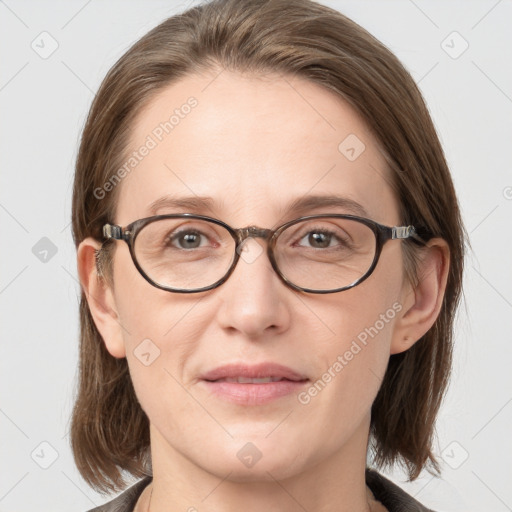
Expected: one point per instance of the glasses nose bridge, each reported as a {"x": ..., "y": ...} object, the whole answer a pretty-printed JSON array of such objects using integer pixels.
[{"x": 253, "y": 232}]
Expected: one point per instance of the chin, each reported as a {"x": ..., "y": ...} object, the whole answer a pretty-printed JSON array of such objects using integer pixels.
[
  {"x": 261, "y": 471},
  {"x": 257, "y": 459}
]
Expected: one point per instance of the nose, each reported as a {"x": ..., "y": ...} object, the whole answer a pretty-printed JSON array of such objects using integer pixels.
[{"x": 255, "y": 302}]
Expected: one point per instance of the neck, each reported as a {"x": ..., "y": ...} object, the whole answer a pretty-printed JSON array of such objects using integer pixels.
[{"x": 334, "y": 483}]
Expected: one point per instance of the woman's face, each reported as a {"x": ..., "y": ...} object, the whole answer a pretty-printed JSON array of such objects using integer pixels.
[{"x": 255, "y": 145}]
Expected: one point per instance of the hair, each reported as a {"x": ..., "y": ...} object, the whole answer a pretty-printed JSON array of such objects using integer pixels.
[{"x": 109, "y": 429}]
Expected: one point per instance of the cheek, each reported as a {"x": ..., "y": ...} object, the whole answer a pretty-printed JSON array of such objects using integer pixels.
[
  {"x": 359, "y": 347},
  {"x": 355, "y": 355},
  {"x": 161, "y": 331},
  {"x": 144, "y": 311},
  {"x": 351, "y": 364}
]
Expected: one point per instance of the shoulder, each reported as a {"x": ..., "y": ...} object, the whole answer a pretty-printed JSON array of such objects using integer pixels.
[
  {"x": 126, "y": 501},
  {"x": 390, "y": 495}
]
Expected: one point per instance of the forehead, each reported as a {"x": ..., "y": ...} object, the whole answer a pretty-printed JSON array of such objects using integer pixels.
[{"x": 254, "y": 144}]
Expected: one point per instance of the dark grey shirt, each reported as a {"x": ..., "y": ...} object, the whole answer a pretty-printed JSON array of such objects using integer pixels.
[{"x": 385, "y": 491}]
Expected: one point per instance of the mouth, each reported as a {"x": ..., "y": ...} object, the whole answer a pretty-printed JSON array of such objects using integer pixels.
[
  {"x": 248, "y": 380},
  {"x": 244, "y": 373},
  {"x": 241, "y": 384}
]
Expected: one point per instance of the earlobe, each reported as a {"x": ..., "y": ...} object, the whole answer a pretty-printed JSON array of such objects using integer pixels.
[
  {"x": 100, "y": 298},
  {"x": 422, "y": 302}
]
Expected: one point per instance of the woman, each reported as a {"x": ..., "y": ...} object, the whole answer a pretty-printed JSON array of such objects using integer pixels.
[{"x": 271, "y": 255}]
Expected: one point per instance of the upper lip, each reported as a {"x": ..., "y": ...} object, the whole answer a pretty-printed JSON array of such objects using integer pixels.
[{"x": 257, "y": 371}]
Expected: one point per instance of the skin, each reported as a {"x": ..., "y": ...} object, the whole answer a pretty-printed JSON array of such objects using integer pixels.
[{"x": 254, "y": 144}]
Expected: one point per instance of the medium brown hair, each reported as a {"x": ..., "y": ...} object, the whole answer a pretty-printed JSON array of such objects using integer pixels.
[{"x": 109, "y": 429}]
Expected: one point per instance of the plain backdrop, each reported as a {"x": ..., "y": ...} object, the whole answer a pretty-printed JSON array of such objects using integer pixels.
[{"x": 53, "y": 58}]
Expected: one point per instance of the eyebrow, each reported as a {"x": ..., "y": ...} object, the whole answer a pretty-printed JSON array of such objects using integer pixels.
[
  {"x": 315, "y": 202},
  {"x": 300, "y": 205},
  {"x": 196, "y": 203}
]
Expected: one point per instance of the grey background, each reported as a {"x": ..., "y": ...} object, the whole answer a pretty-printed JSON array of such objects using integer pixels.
[{"x": 44, "y": 102}]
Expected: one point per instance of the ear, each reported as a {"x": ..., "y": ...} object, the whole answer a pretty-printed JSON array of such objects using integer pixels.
[
  {"x": 422, "y": 302},
  {"x": 100, "y": 298}
]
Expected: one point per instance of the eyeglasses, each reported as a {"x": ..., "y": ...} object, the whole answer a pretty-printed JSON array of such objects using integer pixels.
[{"x": 188, "y": 253}]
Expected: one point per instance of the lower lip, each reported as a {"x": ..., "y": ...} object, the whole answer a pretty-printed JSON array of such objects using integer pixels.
[{"x": 254, "y": 394}]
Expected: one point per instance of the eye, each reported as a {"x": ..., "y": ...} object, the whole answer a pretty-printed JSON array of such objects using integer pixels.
[
  {"x": 187, "y": 239},
  {"x": 321, "y": 238},
  {"x": 318, "y": 239}
]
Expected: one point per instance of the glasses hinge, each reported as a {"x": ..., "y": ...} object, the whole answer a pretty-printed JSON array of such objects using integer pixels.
[
  {"x": 402, "y": 232},
  {"x": 111, "y": 231}
]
